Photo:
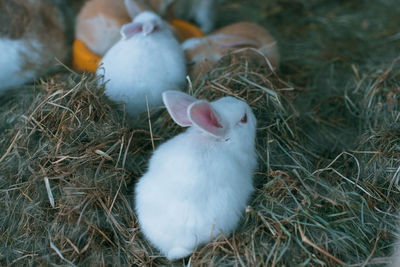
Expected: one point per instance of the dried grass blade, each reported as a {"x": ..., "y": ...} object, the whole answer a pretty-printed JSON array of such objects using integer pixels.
[{"x": 49, "y": 193}]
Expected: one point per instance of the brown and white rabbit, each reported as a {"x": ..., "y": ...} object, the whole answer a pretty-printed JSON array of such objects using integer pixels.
[
  {"x": 99, "y": 22},
  {"x": 202, "y": 53},
  {"x": 32, "y": 35}
]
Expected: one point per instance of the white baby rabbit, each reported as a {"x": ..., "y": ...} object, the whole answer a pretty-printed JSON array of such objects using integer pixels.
[
  {"x": 198, "y": 183},
  {"x": 32, "y": 35},
  {"x": 147, "y": 61},
  {"x": 203, "y": 53}
]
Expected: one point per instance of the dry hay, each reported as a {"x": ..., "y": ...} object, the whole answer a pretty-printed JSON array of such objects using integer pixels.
[
  {"x": 69, "y": 163},
  {"x": 90, "y": 154},
  {"x": 327, "y": 183},
  {"x": 67, "y": 138}
]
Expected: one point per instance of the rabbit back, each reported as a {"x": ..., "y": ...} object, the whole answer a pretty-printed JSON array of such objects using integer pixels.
[
  {"x": 199, "y": 192},
  {"x": 141, "y": 67}
]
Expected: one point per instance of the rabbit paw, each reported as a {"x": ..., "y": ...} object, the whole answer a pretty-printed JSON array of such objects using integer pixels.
[{"x": 178, "y": 252}]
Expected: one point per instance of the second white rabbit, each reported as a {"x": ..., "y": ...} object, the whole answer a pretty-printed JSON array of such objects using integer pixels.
[{"x": 145, "y": 62}]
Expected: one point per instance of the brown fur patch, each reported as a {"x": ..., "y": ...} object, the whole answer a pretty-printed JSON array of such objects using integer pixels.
[
  {"x": 15, "y": 18},
  {"x": 41, "y": 21}
]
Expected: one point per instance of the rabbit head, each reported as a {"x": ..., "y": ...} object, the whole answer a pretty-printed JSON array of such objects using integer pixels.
[
  {"x": 146, "y": 23},
  {"x": 226, "y": 119},
  {"x": 202, "y": 53}
]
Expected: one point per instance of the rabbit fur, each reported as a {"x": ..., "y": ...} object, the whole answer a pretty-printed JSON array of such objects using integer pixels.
[
  {"x": 198, "y": 183},
  {"x": 202, "y": 53},
  {"x": 32, "y": 35},
  {"x": 99, "y": 21},
  {"x": 145, "y": 62}
]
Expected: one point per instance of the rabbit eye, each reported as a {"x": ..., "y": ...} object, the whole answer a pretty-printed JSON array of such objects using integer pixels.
[{"x": 244, "y": 118}]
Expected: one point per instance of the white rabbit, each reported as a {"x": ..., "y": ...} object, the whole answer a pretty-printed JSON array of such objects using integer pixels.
[
  {"x": 32, "y": 35},
  {"x": 147, "y": 61},
  {"x": 198, "y": 183}
]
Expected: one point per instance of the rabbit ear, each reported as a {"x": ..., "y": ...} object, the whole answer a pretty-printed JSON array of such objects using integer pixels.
[
  {"x": 177, "y": 104},
  {"x": 133, "y": 8},
  {"x": 233, "y": 40},
  {"x": 149, "y": 27},
  {"x": 130, "y": 29},
  {"x": 192, "y": 43},
  {"x": 206, "y": 118}
]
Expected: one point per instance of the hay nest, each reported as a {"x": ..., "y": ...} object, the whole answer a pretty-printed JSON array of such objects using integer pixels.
[
  {"x": 327, "y": 186},
  {"x": 71, "y": 160},
  {"x": 69, "y": 163}
]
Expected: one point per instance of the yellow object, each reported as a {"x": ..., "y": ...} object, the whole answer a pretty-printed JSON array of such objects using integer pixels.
[
  {"x": 85, "y": 60},
  {"x": 82, "y": 58},
  {"x": 186, "y": 29}
]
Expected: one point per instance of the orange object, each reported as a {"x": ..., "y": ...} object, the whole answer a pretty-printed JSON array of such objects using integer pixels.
[
  {"x": 186, "y": 29},
  {"x": 85, "y": 60},
  {"x": 82, "y": 58}
]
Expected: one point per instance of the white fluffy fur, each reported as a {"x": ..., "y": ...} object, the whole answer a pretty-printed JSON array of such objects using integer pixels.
[
  {"x": 197, "y": 185},
  {"x": 12, "y": 73},
  {"x": 144, "y": 65}
]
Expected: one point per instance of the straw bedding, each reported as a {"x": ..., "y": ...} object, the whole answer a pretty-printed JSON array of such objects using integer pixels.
[{"x": 327, "y": 186}]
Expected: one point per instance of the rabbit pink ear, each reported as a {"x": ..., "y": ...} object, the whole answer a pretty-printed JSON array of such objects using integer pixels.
[
  {"x": 177, "y": 104},
  {"x": 233, "y": 40},
  {"x": 130, "y": 29},
  {"x": 204, "y": 116}
]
